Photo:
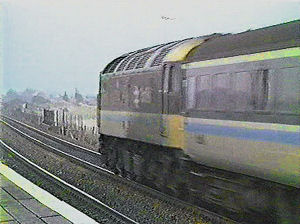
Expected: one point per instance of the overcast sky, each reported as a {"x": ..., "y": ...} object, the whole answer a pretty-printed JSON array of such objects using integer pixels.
[{"x": 57, "y": 45}]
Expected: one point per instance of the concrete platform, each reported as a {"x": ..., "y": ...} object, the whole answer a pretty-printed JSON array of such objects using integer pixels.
[{"x": 23, "y": 202}]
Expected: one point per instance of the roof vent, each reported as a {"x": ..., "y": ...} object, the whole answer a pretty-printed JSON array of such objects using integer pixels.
[
  {"x": 141, "y": 63},
  {"x": 159, "y": 58},
  {"x": 111, "y": 66}
]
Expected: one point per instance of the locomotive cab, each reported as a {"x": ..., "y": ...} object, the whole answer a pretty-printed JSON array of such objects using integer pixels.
[{"x": 140, "y": 89}]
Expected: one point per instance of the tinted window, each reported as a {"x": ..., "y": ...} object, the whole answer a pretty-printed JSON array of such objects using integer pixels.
[
  {"x": 288, "y": 90},
  {"x": 191, "y": 90},
  {"x": 242, "y": 91},
  {"x": 204, "y": 92},
  {"x": 222, "y": 97},
  {"x": 260, "y": 89}
]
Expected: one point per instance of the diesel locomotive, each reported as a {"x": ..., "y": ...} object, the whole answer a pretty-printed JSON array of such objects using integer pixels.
[{"x": 214, "y": 120}]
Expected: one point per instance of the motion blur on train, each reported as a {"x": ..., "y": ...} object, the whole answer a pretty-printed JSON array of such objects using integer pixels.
[{"x": 213, "y": 120}]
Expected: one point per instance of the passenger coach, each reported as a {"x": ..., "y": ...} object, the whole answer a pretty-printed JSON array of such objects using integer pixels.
[{"x": 230, "y": 102}]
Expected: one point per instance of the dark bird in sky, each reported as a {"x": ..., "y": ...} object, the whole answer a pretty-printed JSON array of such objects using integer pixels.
[{"x": 167, "y": 18}]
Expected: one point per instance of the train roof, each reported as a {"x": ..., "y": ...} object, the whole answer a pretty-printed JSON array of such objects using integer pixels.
[
  {"x": 212, "y": 46},
  {"x": 153, "y": 57},
  {"x": 286, "y": 35}
]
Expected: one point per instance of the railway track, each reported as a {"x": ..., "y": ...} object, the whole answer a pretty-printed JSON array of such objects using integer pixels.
[
  {"x": 91, "y": 160},
  {"x": 62, "y": 186},
  {"x": 81, "y": 155}
]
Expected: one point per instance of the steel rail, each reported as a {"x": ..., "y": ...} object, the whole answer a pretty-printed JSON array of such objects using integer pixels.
[
  {"x": 109, "y": 173},
  {"x": 52, "y": 137},
  {"x": 67, "y": 185},
  {"x": 55, "y": 150}
]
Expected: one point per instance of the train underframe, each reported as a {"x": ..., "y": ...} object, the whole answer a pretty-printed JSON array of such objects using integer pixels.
[{"x": 237, "y": 196}]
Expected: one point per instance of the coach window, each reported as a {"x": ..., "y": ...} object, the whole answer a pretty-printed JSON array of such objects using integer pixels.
[
  {"x": 204, "y": 92},
  {"x": 288, "y": 90},
  {"x": 260, "y": 87},
  {"x": 250, "y": 90},
  {"x": 191, "y": 90},
  {"x": 241, "y": 91},
  {"x": 223, "y": 92}
]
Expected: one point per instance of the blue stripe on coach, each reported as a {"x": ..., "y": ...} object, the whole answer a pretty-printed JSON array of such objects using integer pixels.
[{"x": 291, "y": 138}]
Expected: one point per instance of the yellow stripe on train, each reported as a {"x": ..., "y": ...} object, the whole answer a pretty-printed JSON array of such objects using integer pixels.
[{"x": 289, "y": 52}]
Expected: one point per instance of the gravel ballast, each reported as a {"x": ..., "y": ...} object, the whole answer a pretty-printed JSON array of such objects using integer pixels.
[{"x": 141, "y": 207}]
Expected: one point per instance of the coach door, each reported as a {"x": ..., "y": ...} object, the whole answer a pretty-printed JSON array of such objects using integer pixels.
[
  {"x": 171, "y": 97},
  {"x": 170, "y": 90},
  {"x": 165, "y": 89}
]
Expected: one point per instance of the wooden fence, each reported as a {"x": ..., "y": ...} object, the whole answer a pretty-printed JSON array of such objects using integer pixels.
[
  {"x": 71, "y": 125},
  {"x": 60, "y": 122}
]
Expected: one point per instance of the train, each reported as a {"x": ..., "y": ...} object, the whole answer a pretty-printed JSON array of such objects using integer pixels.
[{"x": 213, "y": 120}]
